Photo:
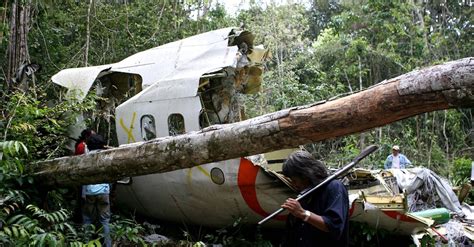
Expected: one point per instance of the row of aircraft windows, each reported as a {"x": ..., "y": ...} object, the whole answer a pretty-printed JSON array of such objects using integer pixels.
[{"x": 175, "y": 126}]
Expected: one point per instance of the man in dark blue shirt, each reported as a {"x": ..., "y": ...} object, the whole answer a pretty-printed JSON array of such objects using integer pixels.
[{"x": 322, "y": 219}]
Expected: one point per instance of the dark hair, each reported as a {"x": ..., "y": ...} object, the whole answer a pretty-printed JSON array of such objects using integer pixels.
[
  {"x": 84, "y": 135},
  {"x": 95, "y": 141},
  {"x": 302, "y": 164}
]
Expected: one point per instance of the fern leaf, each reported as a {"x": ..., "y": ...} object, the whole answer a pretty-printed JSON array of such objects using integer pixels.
[
  {"x": 39, "y": 229},
  {"x": 17, "y": 147},
  {"x": 42, "y": 240},
  {"x": 54, "y": 217},
  {"x": 16, "y": 219},
  {"x": 30, "y": 225},
  {"x": 7, "y": 231},
  {"x": 52, "y": 241},
  {"x": 71, "y": 229},
  {"x": 7, "y": 210},
  {"x": 15, "y": 232},
  {"x": 24, "y": 233},
  {"x": 65, "y": 214}
]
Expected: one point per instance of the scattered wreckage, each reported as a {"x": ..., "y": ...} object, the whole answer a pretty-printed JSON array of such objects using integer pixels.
[
  {"x": 412, "y": 201},
  {"x": 183, "y": 133}
]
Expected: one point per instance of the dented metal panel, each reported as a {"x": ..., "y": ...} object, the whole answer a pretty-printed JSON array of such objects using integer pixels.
[
  {"x": 79, "y": 79},
  {"x": 175, "y": 68},
  {"x": 395, "y": 220}
]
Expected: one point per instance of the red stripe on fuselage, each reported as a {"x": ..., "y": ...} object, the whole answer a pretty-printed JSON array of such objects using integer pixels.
[
  {"x": 351, "y": 210},
  {"x": 398, "y": 216},
  {"x": 246, "y": 182}
]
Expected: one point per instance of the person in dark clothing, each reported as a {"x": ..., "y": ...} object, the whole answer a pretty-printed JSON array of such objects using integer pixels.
[
  {"x": 95, "y": 142},
  {"x": 321, "y": 219}
]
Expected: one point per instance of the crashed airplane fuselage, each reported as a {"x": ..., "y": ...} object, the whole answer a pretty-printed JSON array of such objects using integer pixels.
[
  {"x": 181, "y": 87},
  {"x": 185, "y": 86}
]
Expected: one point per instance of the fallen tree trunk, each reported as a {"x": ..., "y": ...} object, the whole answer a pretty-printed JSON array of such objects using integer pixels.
[{"x": 449, "y": 85}]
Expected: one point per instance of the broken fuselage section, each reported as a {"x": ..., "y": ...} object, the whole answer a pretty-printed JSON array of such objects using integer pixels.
[{"x": 181, "y": 87}]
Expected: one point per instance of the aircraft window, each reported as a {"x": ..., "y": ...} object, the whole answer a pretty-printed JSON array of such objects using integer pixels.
[
  {"x": 176, "y": 124},
  {"x": 217, "y": 176},
  {"x": 148, "y": 127}
]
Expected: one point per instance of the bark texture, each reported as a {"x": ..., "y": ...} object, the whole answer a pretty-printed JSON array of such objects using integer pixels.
[
  {"x": 440, "y": 87},
  {"x": 19, "y": 29}
]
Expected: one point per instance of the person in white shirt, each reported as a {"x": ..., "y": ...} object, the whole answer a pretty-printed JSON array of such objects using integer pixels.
[{"x": 396, "y": 160}]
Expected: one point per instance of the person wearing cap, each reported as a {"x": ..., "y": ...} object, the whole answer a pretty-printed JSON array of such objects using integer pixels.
[{"x": 396, "y": 160}]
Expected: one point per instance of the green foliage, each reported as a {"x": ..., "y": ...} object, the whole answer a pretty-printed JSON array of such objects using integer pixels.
[
  {"x": 10, "y": 150},
  {"x": 461, "y": 171},
  {"x": 127, "y": 232},
  {"x": 33, "y": 226},
  {"x": 42, "y": 124},
  {"x": 25, "y": 225},
  {"x": 375, "y": 40},
  {"x": 427, "y": 241},
  {"x": 285, "y": 38},
  {"x": 39, "y": 228},
  {"x": 364, "y": 235},
  {"x": 236, "y": 235},
  {"x": 116, "y": 30},
  {"x": 12, "y": 177}
]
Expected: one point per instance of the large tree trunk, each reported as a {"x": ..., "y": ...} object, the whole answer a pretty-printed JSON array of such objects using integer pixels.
[
  {"x": 17, "y": 42},
  {"x": 3, "y": 19},
  {"x": 436, "y": 88}
]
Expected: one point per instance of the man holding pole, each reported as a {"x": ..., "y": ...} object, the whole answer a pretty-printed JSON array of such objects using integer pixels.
[{"x": 321, "y": 219}]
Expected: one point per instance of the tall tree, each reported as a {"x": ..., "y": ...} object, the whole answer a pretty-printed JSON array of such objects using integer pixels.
[{"x": 20, "y": 18}]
